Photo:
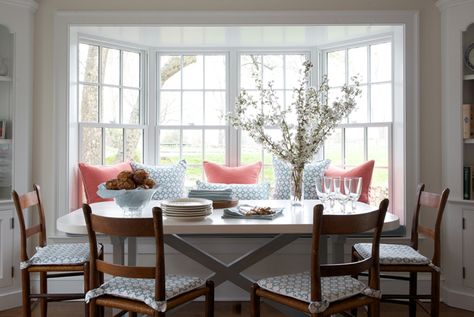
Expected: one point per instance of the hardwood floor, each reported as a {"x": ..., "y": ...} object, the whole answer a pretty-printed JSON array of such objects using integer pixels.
[{"x": 225, "y": 309}]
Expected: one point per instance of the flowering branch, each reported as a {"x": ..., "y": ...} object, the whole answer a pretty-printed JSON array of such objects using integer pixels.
[{"x": 304, "y": 124}]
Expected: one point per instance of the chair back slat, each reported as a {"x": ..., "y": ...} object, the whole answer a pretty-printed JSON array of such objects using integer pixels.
[
  {"x": 28, "y": 200},
  {"x": 427, "y": 232},
  {"x": 32, "y": 230},
  {"x": 31, "y": 201},
  {"x": 123, "y": 227},
  {"x": 125, "y": 271},
  {"x": 350, "y": 224},
  {"x": 431, "y": 200},
  {"x": 340, "y": 269}
]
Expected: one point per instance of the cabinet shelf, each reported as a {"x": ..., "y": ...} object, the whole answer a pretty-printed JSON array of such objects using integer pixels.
[
  {"x": 5, "y": 78},
  {"x": 468, "y": 141}
]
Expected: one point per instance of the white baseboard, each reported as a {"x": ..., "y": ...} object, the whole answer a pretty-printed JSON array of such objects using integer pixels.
[
  {"x": 458, "y": 298},
  {"x": 10, "y": 300}
]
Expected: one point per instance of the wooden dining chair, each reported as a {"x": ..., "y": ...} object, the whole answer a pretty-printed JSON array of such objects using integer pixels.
[
  {"x": 69, "y": 259},
  {"x": 330, "y": 288},
  {"x": 144, "y": 290},
  {"x": 407, "y": 258}
]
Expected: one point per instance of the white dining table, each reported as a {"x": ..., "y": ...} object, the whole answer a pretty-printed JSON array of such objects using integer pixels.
[{"x": 292, "y": 224}]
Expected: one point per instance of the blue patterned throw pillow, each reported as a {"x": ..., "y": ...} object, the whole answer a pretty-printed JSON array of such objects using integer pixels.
[
  {"x": 312, "y": 172},
  {"x": 240, "y": 191},
  {"x": 169, "y": 178}
]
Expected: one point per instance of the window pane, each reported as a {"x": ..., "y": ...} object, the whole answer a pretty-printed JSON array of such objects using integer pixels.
[
  {"x": 354, "y": 146},
  {"x": 193, "y": 174},
  {"x": 192, "y": 108},
  {"x": 134, "y": 145},
  {"x": 250, "y": 152},
  {"x": 293, "y": 66},
  {"x": 381, "y": 62},
  {"x": 193, "y": 76},
  {"x": 215, "y": 77},
  {"x": 381, "y": 103},
  {"x": 192, "y": 146},
  {"x": 379, "y": 185},
  {"x": 170, "y": 108},
  {"x": 110, "y": 105},
  {"x": 170, "y": 72},
  {"x": 113, "y": 146},
  {"x": 333, "y": 147},
  {"x": 337, "y": 68},
  {"x": 131, "y": 106},
  {"x": 131, "y": 69},
  {"x": 273, "y": 71},
  {"x": 215, "y": 107},
  {"x": 88, "y": 103},
  {"x": 88, "y": 63},
  {"x": 110, "y": 71},
  {"x": 357, "y": 63},
  {"x": 248, "y": 66},
  {"x": 268, "y": 174},
  {"x": 169, "y": 146},
  {"x": 215, "y": 146},
  {"x": 91, "y": 146},
  {"x": 378, "y": 145},
  {"x": 359, "y": 114}
]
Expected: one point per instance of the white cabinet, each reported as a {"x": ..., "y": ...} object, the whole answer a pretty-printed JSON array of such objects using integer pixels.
[
  {"x": 16, "y": 99},
  {"x": 457, "y": 18},
  {"x": 6, "y": 248}
]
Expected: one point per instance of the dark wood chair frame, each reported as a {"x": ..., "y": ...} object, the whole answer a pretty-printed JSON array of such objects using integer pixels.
[
  {"x": 32, "y": 200},
  {"x": 136, "y": 227},
  {"x": 427, "y": 200},
  {"x": 335, "y": 224}
]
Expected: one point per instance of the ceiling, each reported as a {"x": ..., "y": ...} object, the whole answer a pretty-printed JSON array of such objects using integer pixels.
[{"x": 235, "y": 36}]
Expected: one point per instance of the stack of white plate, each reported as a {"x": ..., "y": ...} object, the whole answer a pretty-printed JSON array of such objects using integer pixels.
[{"x": 187, "y": 208}]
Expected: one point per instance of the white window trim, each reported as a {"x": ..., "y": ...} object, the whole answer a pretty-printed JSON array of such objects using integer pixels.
[{"x": 409, "y": 157}]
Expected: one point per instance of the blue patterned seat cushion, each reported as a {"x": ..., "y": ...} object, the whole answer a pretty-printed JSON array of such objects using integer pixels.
[
  {"x": 240, "y": 191},
  {"x": 312, "y": 173},
  {"x": 169, "y": 178},
  {"x": 333, "y": 288},
  {"x": 57, "y": 254},
  {"x": 143, "y": 290},
  {"x": 393, "y": 254}
]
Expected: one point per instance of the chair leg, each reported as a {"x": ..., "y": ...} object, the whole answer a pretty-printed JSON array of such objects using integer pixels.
[
  {"x": 254, "y": 301},
  {"x": 209, "y": 304},
  {"x": 354, "y": 259},
  {"x": 435, "y": 286},
  {"x": 87, "y": 283},
  {"x": 374, "y": 309},
  {"x": 25, "y": 293},
  {"x": 43, "y": 290},
  {"x": 413, "y": 291}
]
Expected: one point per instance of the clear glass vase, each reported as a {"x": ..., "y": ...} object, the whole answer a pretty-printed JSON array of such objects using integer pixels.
[{"x": 297, "y": 185}]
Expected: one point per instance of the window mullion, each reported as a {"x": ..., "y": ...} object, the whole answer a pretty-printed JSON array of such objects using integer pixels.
[{"x": 233, "y": 86}]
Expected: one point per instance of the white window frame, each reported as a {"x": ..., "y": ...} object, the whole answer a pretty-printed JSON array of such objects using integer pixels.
[
  {"x": 405, "y": 125},
  {"x": 142, "y": 125},
  {"x": 380, "y": 39}
]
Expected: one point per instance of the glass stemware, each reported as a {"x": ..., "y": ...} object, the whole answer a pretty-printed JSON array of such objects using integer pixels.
[
  {"x": 340, "y": 194},
  {"x": 328, "y": 183},
  {"x": 353, "y": 188},
  {"x": 323, "y": 194}
]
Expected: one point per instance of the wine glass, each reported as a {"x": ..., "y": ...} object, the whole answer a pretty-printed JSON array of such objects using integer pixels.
[
  {"x": 353, "y": 188},
  {"x": 323, "y": 195},
  {"x": 340, "y": 194},
  {"x": 328, "y": 183}
]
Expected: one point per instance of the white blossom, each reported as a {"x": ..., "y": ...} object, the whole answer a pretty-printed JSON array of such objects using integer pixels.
[{"x": 304, "y": 124}]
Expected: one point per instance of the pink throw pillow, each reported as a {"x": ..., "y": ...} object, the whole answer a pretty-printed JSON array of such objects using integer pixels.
[
  {"x": 364, "y": 170},
  {"x": 247, "y": 174},
  {"x": 93, "y": 175}
]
